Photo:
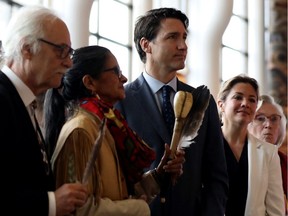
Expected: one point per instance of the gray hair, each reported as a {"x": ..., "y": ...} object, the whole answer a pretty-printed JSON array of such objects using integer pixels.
[
  {"x": 267, "y": 99},
  {"x": 24, "y": 28}
]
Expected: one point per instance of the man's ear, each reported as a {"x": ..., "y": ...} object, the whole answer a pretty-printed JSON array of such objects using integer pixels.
[
  {"x": 26, "y": 51},
  {"x": 145, "y": 45}
]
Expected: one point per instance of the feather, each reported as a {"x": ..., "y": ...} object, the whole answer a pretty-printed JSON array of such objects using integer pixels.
[
  {"x": 94, "y": 153},
  {"x": 189, "y": 109},
  {"x": 194, "y": 119}
]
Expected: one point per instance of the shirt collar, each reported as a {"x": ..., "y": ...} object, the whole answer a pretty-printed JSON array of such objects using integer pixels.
[
  {"x": 24, "y": 91},
  {"x": 156, "y": 85}
]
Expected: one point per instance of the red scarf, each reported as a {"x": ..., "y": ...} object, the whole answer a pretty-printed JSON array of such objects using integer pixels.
[{"x": 134, "y": 154}]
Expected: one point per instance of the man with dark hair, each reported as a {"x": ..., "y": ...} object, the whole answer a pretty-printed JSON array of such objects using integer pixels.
[{"x": 160, "y": 39}]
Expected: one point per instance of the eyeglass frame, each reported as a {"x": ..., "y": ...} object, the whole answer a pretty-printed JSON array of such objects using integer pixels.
[
  {"x": 62, "y": 48},
  {"x": 116, "y": 70},
  {"x": 275, "y": 121}
]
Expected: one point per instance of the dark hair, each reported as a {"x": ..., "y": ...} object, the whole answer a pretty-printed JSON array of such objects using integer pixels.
[
  {"x": 88, "y": 60},
  {"x": 148, "y": 25}
]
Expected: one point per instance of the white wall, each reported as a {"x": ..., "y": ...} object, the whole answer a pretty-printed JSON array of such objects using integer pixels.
[
  {"x": 209, "y": 20},
  {"x": 76, "y": 14},
  {"x": 256, "y": 48}
]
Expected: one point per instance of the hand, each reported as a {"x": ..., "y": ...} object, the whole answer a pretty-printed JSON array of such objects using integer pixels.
[
  {"x": 69, "y": 197},
  {"x": 172, "y": 165},
  {"x": 141, "y": 197}
]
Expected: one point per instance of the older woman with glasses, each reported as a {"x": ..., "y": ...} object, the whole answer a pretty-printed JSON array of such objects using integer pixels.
[
  {"x": 269, "y": 125},
  {"x": 117, "y": 184}
]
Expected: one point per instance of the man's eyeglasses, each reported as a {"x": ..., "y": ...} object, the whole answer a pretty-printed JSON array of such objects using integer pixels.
[
  {"x": 116, "y": 70},
  {"x": 64, "y": 49},
  {"x": 261, "y": 119}
]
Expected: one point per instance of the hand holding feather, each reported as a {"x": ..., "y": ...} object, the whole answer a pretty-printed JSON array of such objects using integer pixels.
[
  {"x": 169, "y": 170},
  {"x": 188, "y": 120}
]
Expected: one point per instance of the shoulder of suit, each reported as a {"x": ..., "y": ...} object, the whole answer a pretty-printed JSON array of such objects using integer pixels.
[
  {"x": 137, "y": 83},
  {"x": 181, "y": 86}
]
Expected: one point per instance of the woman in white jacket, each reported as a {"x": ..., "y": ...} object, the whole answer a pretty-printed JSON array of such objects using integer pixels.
[
  {"x": 269, "y": 125},
  {"x": 255, "y": 184}
]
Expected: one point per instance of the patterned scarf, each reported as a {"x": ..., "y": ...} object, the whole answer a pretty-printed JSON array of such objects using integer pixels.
[{"x": 133, "y": 152}]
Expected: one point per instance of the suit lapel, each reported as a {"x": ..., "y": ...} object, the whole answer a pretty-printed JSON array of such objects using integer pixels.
[
  {"x": 145, "y": 98},
  {"x": 255, "y": 161}
]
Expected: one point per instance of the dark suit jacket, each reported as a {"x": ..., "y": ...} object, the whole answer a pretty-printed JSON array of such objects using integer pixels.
[
  {"x": 203, "y": 187},
  {"x": 24, "y": 181}
]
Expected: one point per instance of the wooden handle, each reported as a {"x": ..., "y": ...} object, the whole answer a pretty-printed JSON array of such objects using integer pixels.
[{"x": 176, "y": 136}]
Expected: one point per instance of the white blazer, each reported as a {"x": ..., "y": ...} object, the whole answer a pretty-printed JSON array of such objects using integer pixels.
[{"x": 265, "y": 192}]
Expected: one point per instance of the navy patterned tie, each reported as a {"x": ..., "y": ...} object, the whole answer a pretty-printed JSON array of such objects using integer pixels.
[{"x": 167, "y": 109}]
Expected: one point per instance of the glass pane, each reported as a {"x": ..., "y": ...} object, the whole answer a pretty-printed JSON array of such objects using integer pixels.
[
  {"x": 235, "y": 35},
  {"x": 126, "y": 1},
  {"x": 15, "y": 8},
  {"x": 93, "y": 40},
  {"x": 5, "y": 11},
  {"x": 267, "y": 46},
  {"x": 114, "y": 21},
  {"x": 233, "y": 63},
  {"x": 240, "y": 8},
  {"x": 266, "y": 13},
  {"x": 29, "y": 2},
  {"x": 121, "y": 53},
  {"x": 93, "y": 20}
]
